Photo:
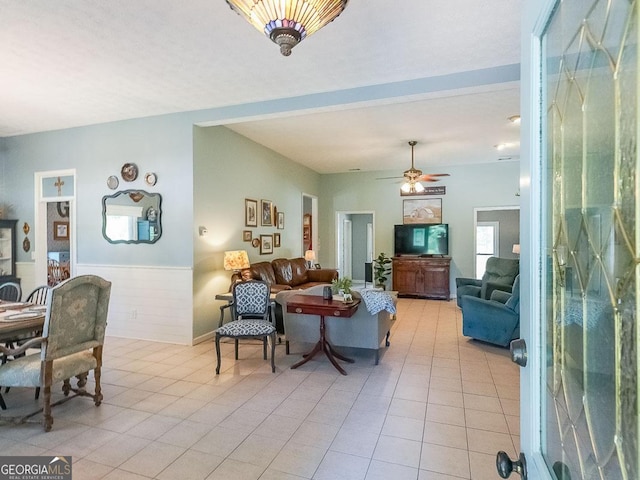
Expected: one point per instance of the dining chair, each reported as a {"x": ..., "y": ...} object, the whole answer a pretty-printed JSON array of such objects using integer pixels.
[
  {"x": 11, "y": 292},
  {"x": 71, "y": 345},
  {"x": 39, "y": 295},
  {"x": 251, "y": 315},
  {"x": 54, "y": 272}
]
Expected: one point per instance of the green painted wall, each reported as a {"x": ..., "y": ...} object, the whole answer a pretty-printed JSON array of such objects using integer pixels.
[
  {"x": 469, "y": 186},
  {"x": 228, "y": 168}
]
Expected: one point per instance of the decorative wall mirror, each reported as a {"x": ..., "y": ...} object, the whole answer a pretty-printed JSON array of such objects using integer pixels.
[{"x": 131, "y": 216}]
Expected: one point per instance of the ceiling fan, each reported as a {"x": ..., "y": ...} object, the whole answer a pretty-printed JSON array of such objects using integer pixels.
[{"x": 414, "y": 176}]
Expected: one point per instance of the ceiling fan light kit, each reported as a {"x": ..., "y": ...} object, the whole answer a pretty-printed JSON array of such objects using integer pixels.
[
  {"x": 288, "y": 22},
  {"x": 414, "y": 176}
]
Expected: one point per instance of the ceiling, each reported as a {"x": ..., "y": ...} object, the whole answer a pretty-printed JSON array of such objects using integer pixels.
[{"x": 383, "y": 73}]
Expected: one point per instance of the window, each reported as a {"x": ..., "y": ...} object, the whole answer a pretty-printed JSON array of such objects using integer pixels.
[{"x": 487, "y": 238}]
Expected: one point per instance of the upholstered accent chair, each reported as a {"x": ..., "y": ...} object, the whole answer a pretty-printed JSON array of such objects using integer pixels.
[
  {"x": 496, "y": 320},
  {"x": 500, "y": 273},
  {"x": 71, "y": 344},
  {"x": 250, "y": 312}
]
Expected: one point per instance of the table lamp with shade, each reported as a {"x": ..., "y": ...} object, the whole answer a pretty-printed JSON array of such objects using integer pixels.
[
  {"x": 236, "y": 260},
  {"x": 516, "y": 249},
  {"x": 310, "y": 256}
]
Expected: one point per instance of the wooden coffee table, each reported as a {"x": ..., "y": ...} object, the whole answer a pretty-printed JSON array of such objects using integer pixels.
[{"x": 317, "y": 305}]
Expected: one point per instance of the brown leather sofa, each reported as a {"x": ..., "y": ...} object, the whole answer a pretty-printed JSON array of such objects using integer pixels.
[{"x": 288, "y": 274}]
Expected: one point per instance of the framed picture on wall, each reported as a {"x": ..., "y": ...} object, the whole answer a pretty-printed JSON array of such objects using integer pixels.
[
  {"x": 276, "y": 240},
  {"x": 246, "y": 235},
  {"x": 61, "y": 230},
  {"x": 266, "y": 206},
  {"x": 266, "y": 244},
  {"x": 424, "y": 210},
  {"x": 280, "y": 220},
  {"x": 250, "y": 212}
]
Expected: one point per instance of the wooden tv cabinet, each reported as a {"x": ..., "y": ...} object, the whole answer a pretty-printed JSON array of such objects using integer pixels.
[{"x": 426, "y": 277}]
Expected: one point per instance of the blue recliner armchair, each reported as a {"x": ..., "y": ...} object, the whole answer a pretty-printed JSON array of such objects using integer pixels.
[
  {"x": 492, "y": 320},
  {"x": 499, "y": 274}
]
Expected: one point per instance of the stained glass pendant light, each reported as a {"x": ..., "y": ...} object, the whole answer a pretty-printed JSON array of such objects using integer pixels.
[{"x": 288, "y": 22}]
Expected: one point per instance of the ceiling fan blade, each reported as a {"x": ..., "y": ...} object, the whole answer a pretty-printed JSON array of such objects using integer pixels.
[
  {"x": 388, "y": 178},
  {"x": 431, "y": 177}
]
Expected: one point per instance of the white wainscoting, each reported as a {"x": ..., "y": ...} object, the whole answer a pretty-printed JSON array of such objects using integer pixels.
[
  {"x": 25, "y": 271},
  {"x": 149, "y": 303}
]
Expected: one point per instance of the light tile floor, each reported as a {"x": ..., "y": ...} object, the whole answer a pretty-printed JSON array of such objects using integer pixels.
[{"x": 437, "y": 407}]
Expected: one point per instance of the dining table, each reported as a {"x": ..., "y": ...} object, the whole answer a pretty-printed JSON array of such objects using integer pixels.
[{"x": 20, "y": 320}]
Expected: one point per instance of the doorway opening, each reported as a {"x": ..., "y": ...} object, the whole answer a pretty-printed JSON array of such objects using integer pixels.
[
  {"x": 354, "y": 244},
  {"x": 496, "y": 232},
  {"x": 55, "y": 220},
  {"x": 310, "y": 225}
]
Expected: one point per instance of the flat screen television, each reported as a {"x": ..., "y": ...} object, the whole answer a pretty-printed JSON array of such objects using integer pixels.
[{"x": 421, "y": 239}]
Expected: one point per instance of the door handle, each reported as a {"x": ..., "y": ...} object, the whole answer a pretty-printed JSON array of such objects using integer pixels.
[
  {"x": 518, "y": 350},
  {"x": 506, "y": 466}
]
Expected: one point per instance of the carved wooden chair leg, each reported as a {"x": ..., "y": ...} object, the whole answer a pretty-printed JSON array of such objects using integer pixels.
[
  {"x": 2, "y": 404},
  {"x": 82, "y": 380},
  {"x": 236, "y": 349},
  {"x": 264, "y": 348},
  {"x": 66, "y": 388},
  {"x": 46, "y": 410},
  {"x": 37, "y": 393},
  {"x": 97, "y": 396}
]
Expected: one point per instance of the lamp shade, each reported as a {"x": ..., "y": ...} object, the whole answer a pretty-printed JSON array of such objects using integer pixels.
[
  {"x": 236, "y": 260},
  {"x": 309, "y": 255},
  {"x": 288, "y": 22},
  {"x": 516, "y": 249}
]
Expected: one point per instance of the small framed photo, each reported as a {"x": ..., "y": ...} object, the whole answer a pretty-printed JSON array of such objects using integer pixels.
[
  {"x": 246, "y": 235},
  {"x": 280, "y": 220},
  {"x": 266, "y": 244},
  {"x": 318, "y": 267},
  {"x": 61, "y": 230},
  {"x": 427, "y": 210},
  {"x": 266, "y": 206},
  {"x": 250, "y": 212},
  {"x": 276, "y": 240}
]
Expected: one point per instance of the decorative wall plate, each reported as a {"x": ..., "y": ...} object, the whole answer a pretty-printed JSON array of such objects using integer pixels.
[
  {"x": 26, "y": 244},
  {"x": 150, "y": 178},
  {"x": 112, "y": 182},
  {"x": 26, "y": 228},
  {"x": 255, "y": 242},
  {"x": 129, "y": 172}
]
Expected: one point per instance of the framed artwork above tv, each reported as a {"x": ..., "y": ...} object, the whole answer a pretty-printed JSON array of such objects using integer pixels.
[{"x": 422, "y": 210}]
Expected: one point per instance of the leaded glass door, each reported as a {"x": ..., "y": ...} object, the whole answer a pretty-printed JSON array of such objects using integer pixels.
[{"x": 587, "y": 262}]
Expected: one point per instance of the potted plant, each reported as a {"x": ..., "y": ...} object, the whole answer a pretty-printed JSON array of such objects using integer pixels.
[
  {"x": 341, "y": 285},
  {"x": 381, "y": 269}
]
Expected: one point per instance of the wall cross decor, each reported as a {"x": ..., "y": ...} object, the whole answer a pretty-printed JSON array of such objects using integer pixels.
[{"x": 59, "y": 184}]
